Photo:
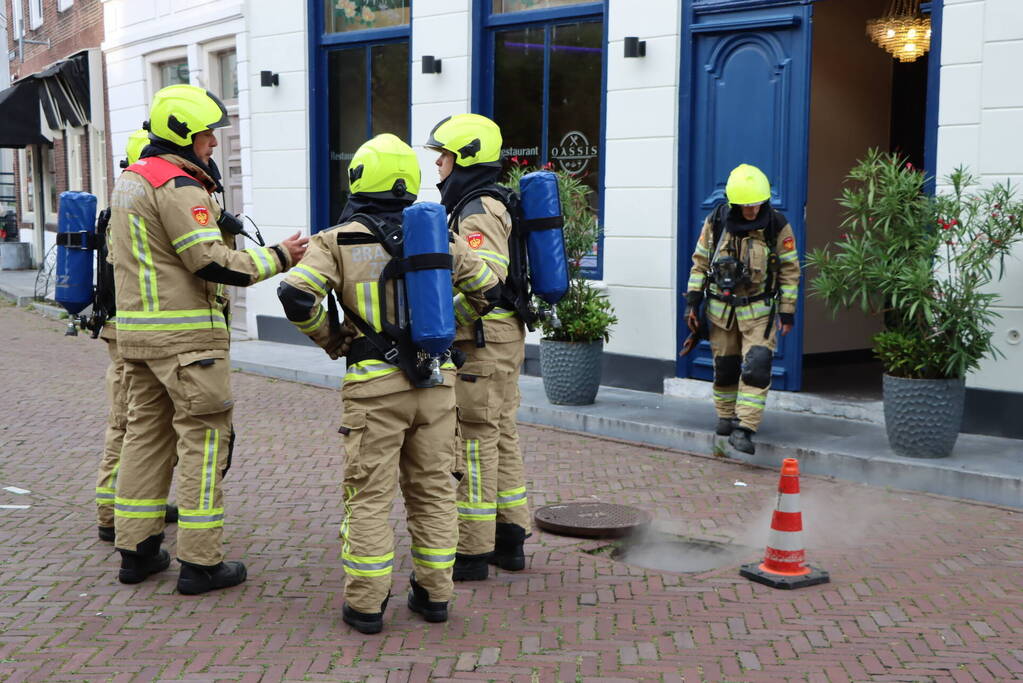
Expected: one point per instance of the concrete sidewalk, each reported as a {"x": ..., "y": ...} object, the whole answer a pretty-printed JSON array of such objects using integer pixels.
[{"x": 982, "y": 468}]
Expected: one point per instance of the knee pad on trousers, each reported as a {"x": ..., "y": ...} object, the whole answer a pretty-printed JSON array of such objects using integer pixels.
[
  {"x": 756, "y": 367},
  {"x": 726, "y": 370}
]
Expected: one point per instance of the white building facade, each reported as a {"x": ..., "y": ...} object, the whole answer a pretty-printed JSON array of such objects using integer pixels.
[{"x": 652, "y": 123}]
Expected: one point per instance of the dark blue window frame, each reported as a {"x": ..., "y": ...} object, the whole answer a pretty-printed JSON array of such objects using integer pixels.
[
  {"x": 486, "y": 23},
  {"x": 320, "y": 46}
]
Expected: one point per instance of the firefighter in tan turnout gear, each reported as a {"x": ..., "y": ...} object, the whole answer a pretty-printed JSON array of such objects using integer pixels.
[
  {"x": 746, "y": 271},
  {"x": 398, "y": 426},
  {"x": 171, "y": 264},
  {"x": 106, "y": 479},
  {"x": 493, "y": 515}
]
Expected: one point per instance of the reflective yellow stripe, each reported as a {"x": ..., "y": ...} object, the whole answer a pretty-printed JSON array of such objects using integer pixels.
[
  {"x": 696, "y": 281},
  {"x": 188, "y": 319},
  {"x": 472, "y": 469},
  {"x": 499, "y": 314},
  {"x": 511, "y": 498},
  {"x": 751, "y": 400},
  {"x": 211, "y": 447},
  {"x": 464, "y": 312},
  {"x": 702, "y": 250},
  {"x": 140, "y": 508},
  {"x": 493, "y": 256},
  {"x": 367, "y": 565},
  {"x": 754, "y": 310},
  {"x": 482, "y": 277},
  {"x": 315, "y": 280},
  {"x": 477, "y": 511},
  {"x": 368, "y": 369},
  {"x": 435, "y": 558},
  {"x": 105, "y": 495},
  {"x": 789, "y": 256},
  {"x": 367, "y": 304},
  {"x": 200, "y": 519},
  {"x": 147, "y": 274},
  {"x": 310, "y": 325},
  {"x": 193, "y": 238}
]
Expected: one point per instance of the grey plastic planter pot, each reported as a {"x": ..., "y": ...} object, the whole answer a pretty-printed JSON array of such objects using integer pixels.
[
  {"x": 923, "y": 416},
  {"x": 571, "y": 371}
]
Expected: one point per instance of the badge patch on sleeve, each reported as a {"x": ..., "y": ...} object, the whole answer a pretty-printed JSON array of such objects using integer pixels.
[
  {"x": 789, "y": 243},
  {"x": 201, "y": 215},
  {"x": 475, "y": 239}
]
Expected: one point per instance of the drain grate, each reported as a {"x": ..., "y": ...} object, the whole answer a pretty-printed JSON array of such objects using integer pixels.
[{"x": 591, "y": 520}]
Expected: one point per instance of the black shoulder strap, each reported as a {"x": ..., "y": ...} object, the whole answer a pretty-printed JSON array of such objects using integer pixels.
[
  {"x": 498, "y": 192},
  {"x": 718, "y": 225}
]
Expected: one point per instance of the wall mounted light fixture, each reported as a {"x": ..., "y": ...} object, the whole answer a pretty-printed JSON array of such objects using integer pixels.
[
  {"x": 431, "y": 65},
  {"x": 269, "y": 78},
  {"x": 634, "y": 47}
]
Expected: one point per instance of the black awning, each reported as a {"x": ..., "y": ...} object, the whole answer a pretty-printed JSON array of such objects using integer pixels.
[
  {"x": 19, "y": 115},
  {"x": 60, "y": 91}
]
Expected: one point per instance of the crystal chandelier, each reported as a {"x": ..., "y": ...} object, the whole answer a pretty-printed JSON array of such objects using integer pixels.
[{"x": 903, "y": 31}]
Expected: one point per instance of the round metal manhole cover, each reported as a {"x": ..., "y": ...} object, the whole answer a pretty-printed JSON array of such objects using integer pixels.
[{"x": 591, "y": 520}]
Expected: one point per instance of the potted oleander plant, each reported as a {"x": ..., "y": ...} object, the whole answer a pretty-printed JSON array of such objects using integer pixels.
[
  {"x": 925, "y": 265},
  {"x": 571, "y": 349}
]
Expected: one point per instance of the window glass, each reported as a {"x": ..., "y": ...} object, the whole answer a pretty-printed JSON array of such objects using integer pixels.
[
  {"x": 173, "y": 72},
  {"x": 573, "y": 119},
  {"x": 355, "y": 15},
  {"x": 347, "y": 116},
  {"x": 227, "y": 65},
  {"x": 502, "y": 6},
  {"x": 390, "y": 90},
  {"x": 518, "y": 93}
]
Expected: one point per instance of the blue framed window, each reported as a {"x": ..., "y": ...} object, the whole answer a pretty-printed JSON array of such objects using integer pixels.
[
  {"x": 359, "y": 86},
  {"x": 542, "y": 76}
]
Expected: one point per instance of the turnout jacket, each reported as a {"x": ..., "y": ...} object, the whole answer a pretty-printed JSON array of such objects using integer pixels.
[
  {"x": 353, "y": 272},
  {"x": 171, "y": 261},
  {"x": 750, "y": 248},
  {"x": 485, "y": 225}
]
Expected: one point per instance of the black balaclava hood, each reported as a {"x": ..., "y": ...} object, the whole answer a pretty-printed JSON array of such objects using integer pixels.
[
  {"x": 736, "y": 224},
  {"x": 463, "y": 180},
  {"x": 157, "y": 147},
  {"x": 388, "y": 208}
]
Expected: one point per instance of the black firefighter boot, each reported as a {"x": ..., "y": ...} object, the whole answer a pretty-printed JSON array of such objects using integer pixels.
[
  {"x": 741, "y": 440},
  {"x": 508, "y": 554},
  {"x": 365, "y": 622},
  {"x": 470, "y": 567},
  {"x": 147, "y": 559},
  {"x": 197, "y": 578},
  {"x": 420, "y": 603},
  {"x": 726, "y": 425}
]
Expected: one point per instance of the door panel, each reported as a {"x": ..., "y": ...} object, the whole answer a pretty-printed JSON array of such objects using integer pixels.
[{"x": 749, "y": 87}]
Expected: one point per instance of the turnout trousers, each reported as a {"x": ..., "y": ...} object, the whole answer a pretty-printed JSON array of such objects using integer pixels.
[
  {"x": 401, "y": 438},
  {"x": 492, "y": 487},
  {"x": 742, "y": 369},
  {"x": 106, "y": 479},
  {"x": 179, "y": 416}
]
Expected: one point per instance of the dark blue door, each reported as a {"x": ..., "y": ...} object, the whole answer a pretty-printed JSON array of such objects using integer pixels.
[{"x": 749, "y": 96}]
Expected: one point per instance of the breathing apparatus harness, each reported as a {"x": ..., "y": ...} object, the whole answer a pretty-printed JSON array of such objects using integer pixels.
[
  {"x": 516, "y": 292},
  {"x": 728, "y": 272},
  {"x": 393, "y": 343}
]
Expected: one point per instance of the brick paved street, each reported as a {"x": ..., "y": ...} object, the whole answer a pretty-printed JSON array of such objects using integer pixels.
[{"x": 923, "y": 588}]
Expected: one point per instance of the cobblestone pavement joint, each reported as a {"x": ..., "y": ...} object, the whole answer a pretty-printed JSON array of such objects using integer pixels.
[{"x": 923, "y": 588}]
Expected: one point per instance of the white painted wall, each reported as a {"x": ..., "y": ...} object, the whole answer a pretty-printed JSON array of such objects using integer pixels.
[
  {"x": 275, "y": 133},
  {"x": 980, "y": 119},
  {"x": 6, "y": 155}
]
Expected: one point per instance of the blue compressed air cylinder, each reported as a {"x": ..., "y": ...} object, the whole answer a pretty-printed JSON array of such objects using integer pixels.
[
  {"x": 548, "y": 264},
  {"x": 429, "y": 292},
  {"x": 76, "y": 215}
]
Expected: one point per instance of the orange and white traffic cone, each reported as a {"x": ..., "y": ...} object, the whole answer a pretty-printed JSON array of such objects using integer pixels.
[{"x": 784, "y": 564}]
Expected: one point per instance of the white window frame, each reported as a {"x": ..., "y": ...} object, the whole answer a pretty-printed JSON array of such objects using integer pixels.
[
  {"x": 63, "y": 5},
  {"x": 74, "y": 158},
  {"x": 17, "y": 19},
  {"x": 23, "y": 182},
  {"x": 35, "y": 13},
  {"x": 50, "y": 217},
  {"x": 155, "y": 59},
  {"x": 211, "y": 53}
]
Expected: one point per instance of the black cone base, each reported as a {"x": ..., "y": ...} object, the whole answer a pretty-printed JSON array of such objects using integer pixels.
[{"x": 753, "y": 572}]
